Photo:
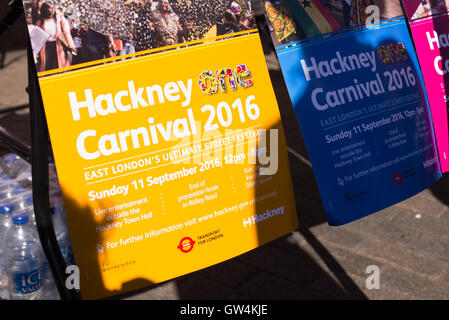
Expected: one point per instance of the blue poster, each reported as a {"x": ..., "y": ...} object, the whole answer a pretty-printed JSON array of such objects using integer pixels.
[{"x": 363, "y": 111}]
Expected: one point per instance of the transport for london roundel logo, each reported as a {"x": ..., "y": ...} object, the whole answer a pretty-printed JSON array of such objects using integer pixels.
[
  {"x": 397, "y": 178},
  {"x": 186, "y": 244}
]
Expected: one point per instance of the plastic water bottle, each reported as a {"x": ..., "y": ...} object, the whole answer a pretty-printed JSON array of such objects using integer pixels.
[
  {"x": 6, "y": 180},
  {"x": 26, "y": 205},
  {"x": 6, "y": 210},
  {"x": 63, "y": 239},
  {"x": 52, "y": 173},
  {"x": 61, "y": 231},
  {"x": 21, "y": 203},
  {"x": 29, "y": 175},
  {"x": 6, "y": 186},
  {"x": 14, "y": 165},
  {"x": 61, "y": 227},
  {"x": 17, "y": 203},
  {"x": 54, "y": 186},
  {"x": 24, "y": 178},
  {"x": 24, "y": 260},
  {"x": 13, "y": 190},
  {"x": 4, "y": 294},
  {"x": 50, "y": 292}
]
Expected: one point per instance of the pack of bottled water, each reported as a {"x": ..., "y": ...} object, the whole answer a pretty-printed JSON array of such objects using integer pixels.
[{"x": 24, "y": 270}]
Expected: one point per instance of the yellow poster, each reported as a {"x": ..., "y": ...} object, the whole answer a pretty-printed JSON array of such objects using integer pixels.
[{"x": 169, "y": 161}]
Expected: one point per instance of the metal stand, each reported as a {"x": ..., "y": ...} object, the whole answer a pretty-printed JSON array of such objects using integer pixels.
[
  {"x": 38, "y": 154},
  {"x": 41, "y": 201}
]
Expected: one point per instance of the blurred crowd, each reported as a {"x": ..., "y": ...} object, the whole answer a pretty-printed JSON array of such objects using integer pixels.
[
  {"x": 431, "y": 7},
  {"x": 69, "y": 32}
]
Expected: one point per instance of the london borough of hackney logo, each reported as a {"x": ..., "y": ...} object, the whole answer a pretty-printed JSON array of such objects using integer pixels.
[{"x": 186, "y": 244}]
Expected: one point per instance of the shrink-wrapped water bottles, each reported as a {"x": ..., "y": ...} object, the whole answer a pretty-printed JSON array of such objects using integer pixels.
[{"x": 24, "y": 260}]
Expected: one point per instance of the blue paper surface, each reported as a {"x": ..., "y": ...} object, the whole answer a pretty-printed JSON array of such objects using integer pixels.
[{"x": 363, "y": 111}]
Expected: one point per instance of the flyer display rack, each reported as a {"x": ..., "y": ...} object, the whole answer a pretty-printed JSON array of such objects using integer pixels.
[{"x": 37, "y": 154}]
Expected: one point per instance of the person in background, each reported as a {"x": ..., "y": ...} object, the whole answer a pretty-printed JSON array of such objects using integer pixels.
[
  {"x": 247, "y": 22},
  {"x": 55, "y": 53},
  {"x": 114, "y": 46},
  {"x": 142, "y": 26},
  {"x": 128, "y": 48},
  {"x": 79, "y": 35},
  {"x": 166, "y": 24},
  {"x": 228, "y": 25},
  {"x": 36, "y": 10},
  {"x": 359, "y": 11},
  {"x": 236, "y": 11},
  {"x": 389, "y": 8},
  {"x": 97, "y": 45},
  {"x": 29, "y": 14}
]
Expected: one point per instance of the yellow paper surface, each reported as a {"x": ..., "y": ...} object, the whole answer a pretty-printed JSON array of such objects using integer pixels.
[{"x": 208, "y": 209}]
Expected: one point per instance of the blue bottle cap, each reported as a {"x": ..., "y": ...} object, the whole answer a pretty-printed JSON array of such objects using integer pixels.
[
  {"x": 6, "y": 178},
  {"x": 10, "y": 158},
  {"x": 19, "y": 219},
  {"x": 18, "y": 189},
  {"x": 6, "y": 208}
]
